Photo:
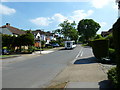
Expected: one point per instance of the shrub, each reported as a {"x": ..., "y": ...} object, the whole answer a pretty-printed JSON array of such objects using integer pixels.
[
  {"x": 98, "y": 36},
  {"x": 51, "y": 42},
  {"x": 112, "y": 76},
  {"x": 100, "y": 48},
  {"x": 116, "y": 38},
  {"x": 62, "y": 44},
  {"x": 110, "y": 38},
  {"x": 112, "y": 55}
]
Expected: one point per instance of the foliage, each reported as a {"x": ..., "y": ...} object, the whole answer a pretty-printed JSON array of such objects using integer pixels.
[
  {"x": 68, "y": 30},
  {"x": 112, "y": 55},
  {"x": 100, "y": 48},
  {"x": 53, "y": 41},
  {"x": 112, "y": 76},
  {"x": 42, "y": 44},
  {"x": 87, "y": 28},
  {"x": 98, "y": 36},
  {"x": 116, "y": 39},
  {"x": 11, "y": 42},
  {"x": 110, "y": 38}
]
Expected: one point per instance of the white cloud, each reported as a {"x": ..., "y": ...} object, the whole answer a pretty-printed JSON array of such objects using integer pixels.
[
  {"x": 59, "y": 18},
  {"x": 81, "y": 14},
  {"x": 100, "y": 3},
  {"x": 115, "y": 7},
  {"x": 102, "y": 24},
  {"x": 4, "y": 10},
  {"x": 41, "y": 21}
]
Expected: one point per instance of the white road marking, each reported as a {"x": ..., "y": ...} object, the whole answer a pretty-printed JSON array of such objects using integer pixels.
[{"x": 79, "y": 54}]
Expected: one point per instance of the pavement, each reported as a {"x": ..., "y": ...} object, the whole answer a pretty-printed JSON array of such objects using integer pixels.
[{"x": 85, "y": 72}]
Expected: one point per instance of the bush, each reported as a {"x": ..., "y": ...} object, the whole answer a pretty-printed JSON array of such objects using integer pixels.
[
  {"x": 100, "y": 48},
  {"x": 98, "y": 36},
  {"x": 112, "y": 76},
  {"x": 110, "y": 38},
  {"x": 62, "y": 44},
  {"x": 112, "y": 55}
]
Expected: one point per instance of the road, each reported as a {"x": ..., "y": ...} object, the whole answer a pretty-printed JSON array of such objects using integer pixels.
[{"x": 37, "y": 72}]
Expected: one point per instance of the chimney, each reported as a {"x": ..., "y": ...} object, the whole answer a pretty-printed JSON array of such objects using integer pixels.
[{"x": 8, "y": 24}]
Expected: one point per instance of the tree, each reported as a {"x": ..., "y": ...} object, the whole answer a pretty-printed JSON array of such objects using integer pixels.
[
  {"x": 68, "y": 30},
  {"x": 87, "y": 28}
]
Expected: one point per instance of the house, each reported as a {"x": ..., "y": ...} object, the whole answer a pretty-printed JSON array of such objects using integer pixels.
[
  {"x": 106, "y": 33},
  {"x": 9, "y": 30},
  {"x": 39, "y": 35}
]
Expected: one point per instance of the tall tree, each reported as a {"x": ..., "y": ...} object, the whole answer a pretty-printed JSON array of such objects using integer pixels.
[
  {"x": 68, "y": 30},
  {"x": 87, "y": 28}
]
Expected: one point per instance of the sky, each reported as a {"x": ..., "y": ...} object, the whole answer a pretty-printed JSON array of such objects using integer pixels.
[{"x": 48, "y": 15}]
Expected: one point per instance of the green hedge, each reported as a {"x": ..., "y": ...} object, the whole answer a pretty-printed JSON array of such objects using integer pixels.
[
  {"x": 100, "y": 48},
  {"x": 112, "y": 76},
  {"x": 116, "y": 38}
]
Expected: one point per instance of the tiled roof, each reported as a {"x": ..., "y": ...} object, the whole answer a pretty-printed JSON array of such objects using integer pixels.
[
  {"x": 13, "y": 30},
  {"x": 38, "y": 31}
]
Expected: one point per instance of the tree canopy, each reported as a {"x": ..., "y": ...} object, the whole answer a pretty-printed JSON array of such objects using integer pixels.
[
  {"x": 68, "y": 30},
  {"x": 87, "y": 28}
]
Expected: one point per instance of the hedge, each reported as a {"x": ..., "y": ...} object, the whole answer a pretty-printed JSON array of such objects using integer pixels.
[
  {"x": 116, "y": 38},
  {"x": 100, "y": 48},
  {"x": 112, "y": 76}
]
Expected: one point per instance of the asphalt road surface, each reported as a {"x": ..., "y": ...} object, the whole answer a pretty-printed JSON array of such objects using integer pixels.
[{"x": 37, "y": 72}]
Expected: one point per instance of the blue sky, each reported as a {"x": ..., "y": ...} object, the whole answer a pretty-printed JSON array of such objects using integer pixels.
[{"x": 48, "y": 15}]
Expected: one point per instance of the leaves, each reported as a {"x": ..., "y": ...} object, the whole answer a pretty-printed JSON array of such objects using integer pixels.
[{"x": 87, "y": 28}]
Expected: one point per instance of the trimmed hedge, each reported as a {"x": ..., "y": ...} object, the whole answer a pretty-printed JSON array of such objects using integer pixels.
[
  {"x": 116, "y": 38},
  {"x": 100, "y": 48},
  {"x": 112, "y": 76}
]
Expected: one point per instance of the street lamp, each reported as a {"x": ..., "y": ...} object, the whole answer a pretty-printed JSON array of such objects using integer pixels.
[{"x": 39, "y": 43}]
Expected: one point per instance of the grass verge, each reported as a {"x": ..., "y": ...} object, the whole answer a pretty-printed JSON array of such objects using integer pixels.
[{"x": 4, "y": 56}]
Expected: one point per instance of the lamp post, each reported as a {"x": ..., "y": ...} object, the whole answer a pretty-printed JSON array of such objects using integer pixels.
[{"x": 39, "y": 43}]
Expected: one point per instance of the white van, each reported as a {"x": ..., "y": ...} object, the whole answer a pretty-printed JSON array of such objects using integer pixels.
[{"x": 70, "y": 44}]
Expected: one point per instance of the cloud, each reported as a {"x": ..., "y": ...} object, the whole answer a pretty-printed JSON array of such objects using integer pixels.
[
  {"x": 100, "y": 3},
  {"x": 102, "y": 24},
  {"x": 58, "y": 18},
  {"x": 115, "y": 7},
  {"x": 80, "y": 14},
  {"x": 41, "y": 21},
  {"x": 4, "y": 10}
]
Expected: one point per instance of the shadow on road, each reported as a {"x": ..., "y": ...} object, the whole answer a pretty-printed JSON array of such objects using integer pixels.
[
  {"x": 65, "y": 49},
  {"x": 86, "y": 60},
  {"x": 105, "y": 85}
]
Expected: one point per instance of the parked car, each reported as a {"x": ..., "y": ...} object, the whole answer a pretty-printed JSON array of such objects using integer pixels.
[
  {"x": 55, "y": 45},
  {"x": 5, "y": 52},
  {"x": 47, "y": 45}
]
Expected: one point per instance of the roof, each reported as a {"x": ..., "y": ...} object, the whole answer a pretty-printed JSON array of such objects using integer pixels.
[
  {"x": 38, "y": 31},
  {"x": 13, "y": 30},
  {"x": 105, "y": 33},
  {"x": 42, "y": 32}
]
